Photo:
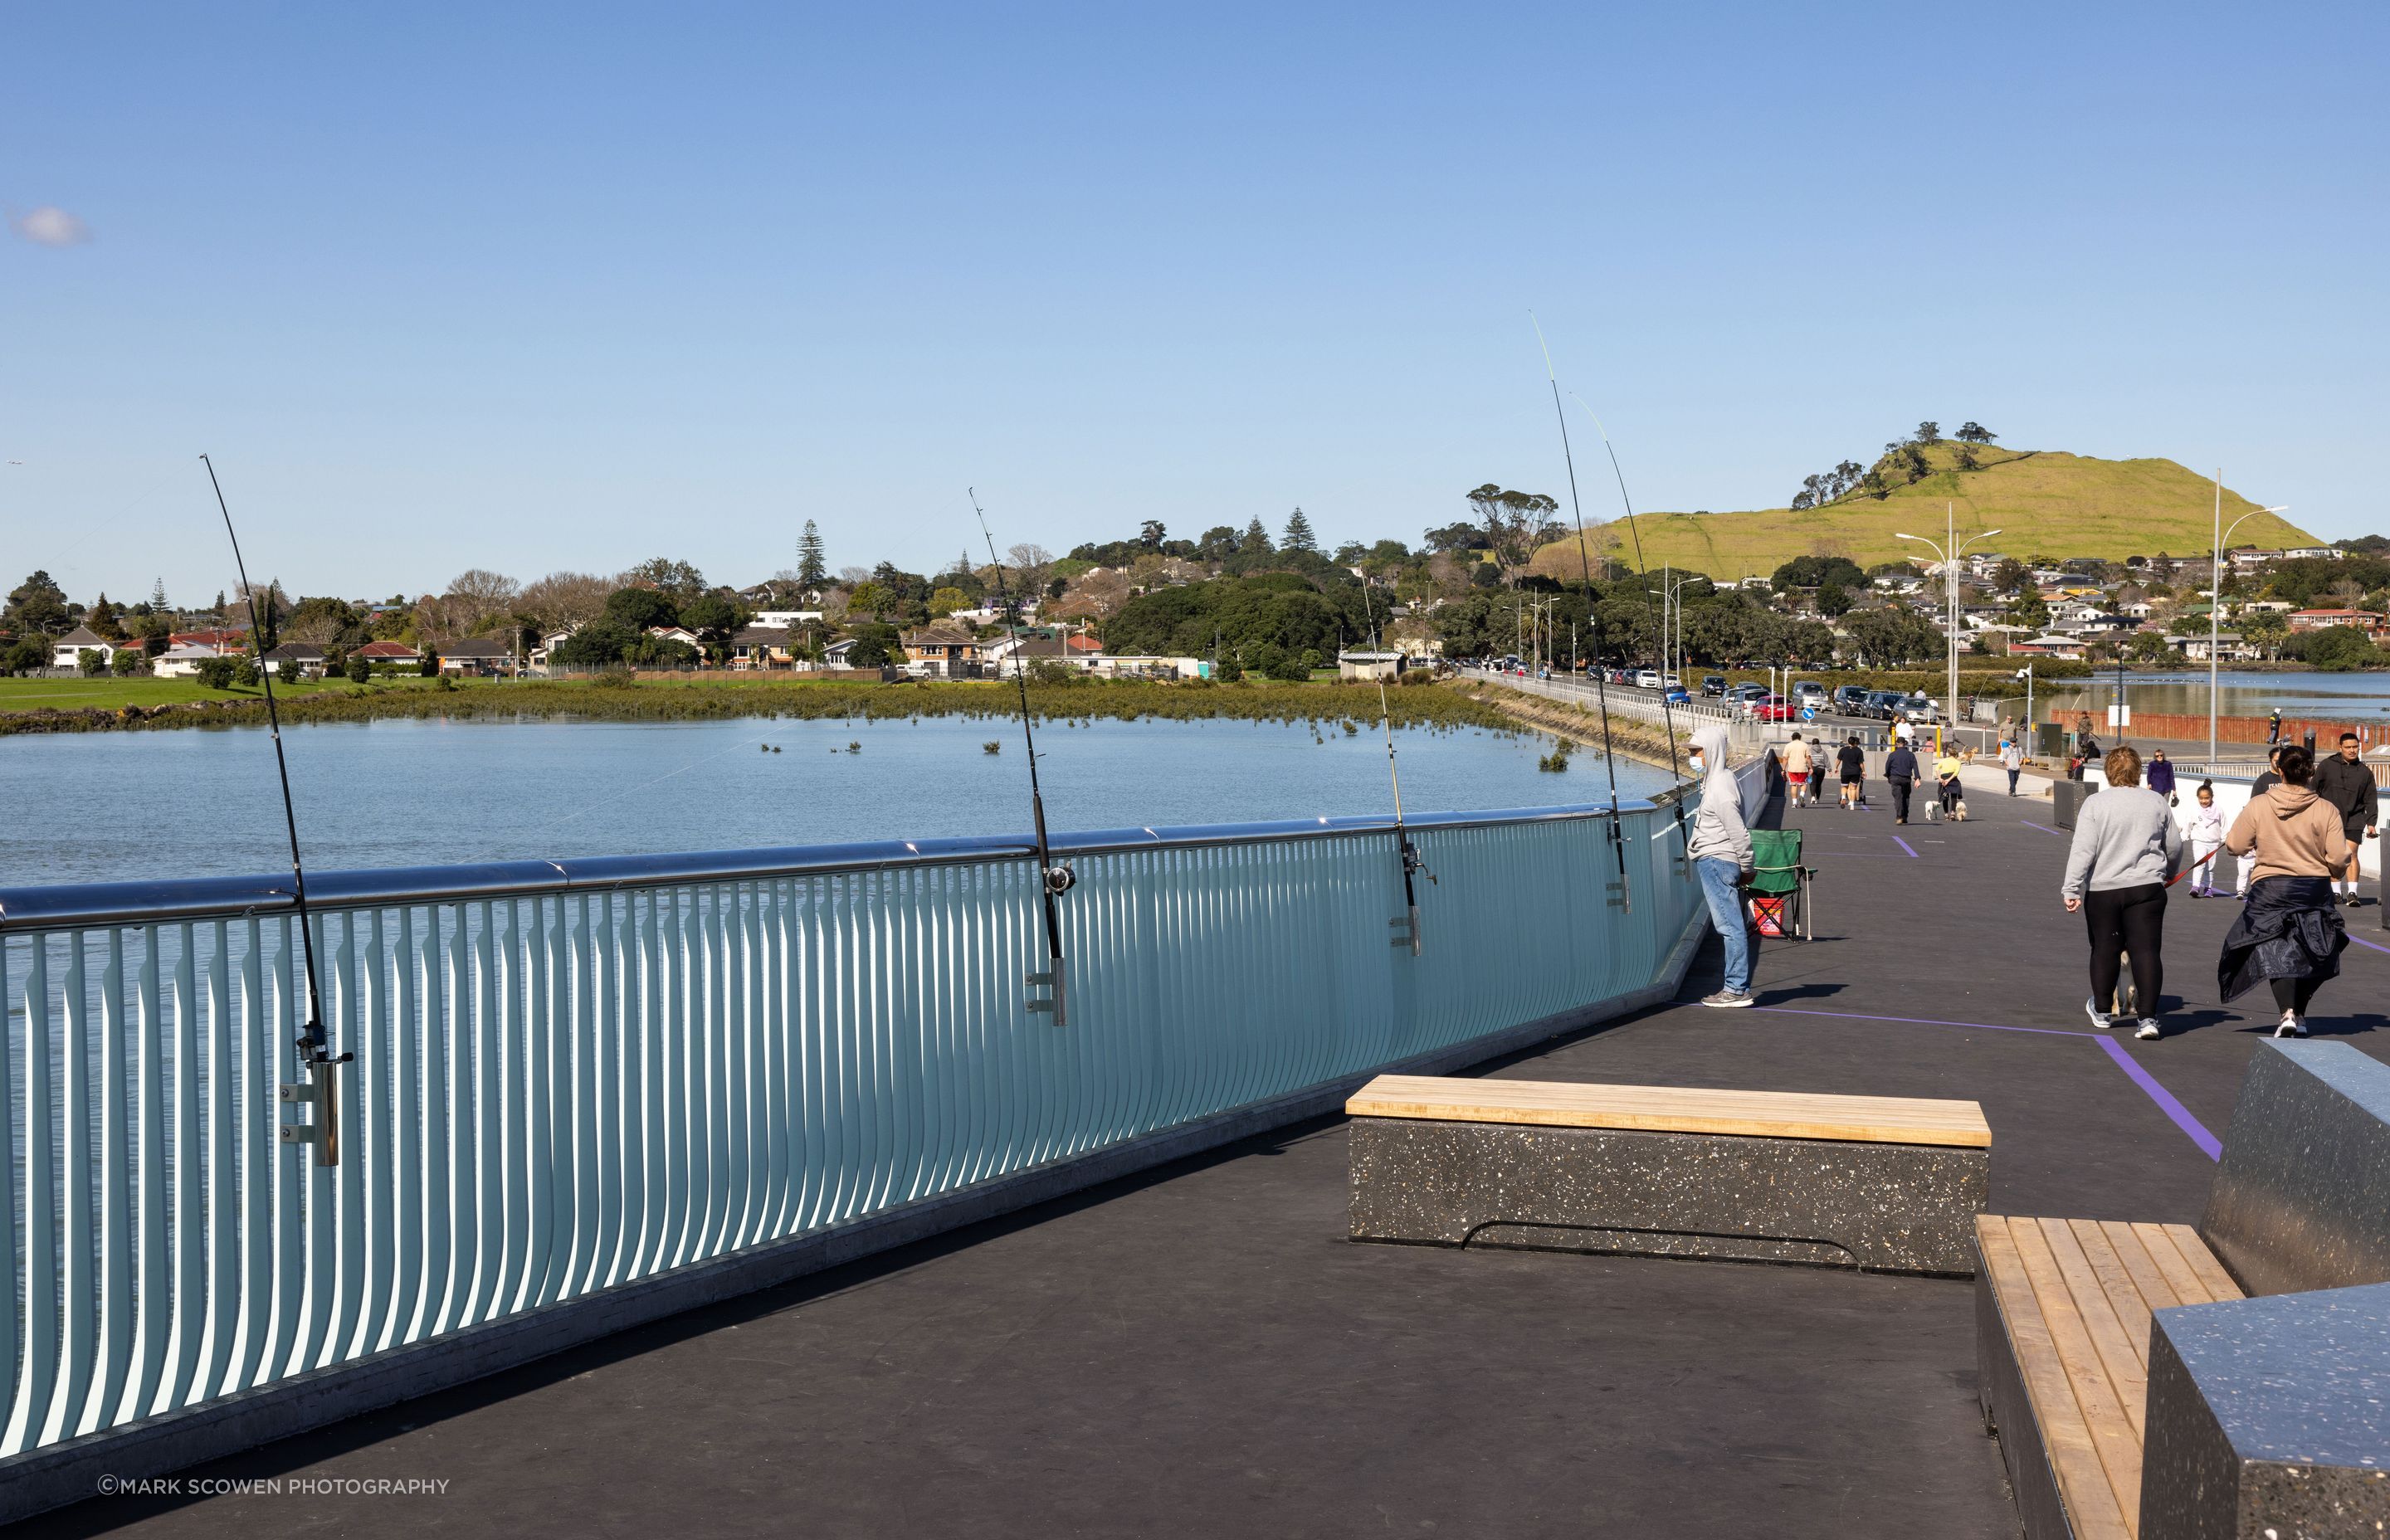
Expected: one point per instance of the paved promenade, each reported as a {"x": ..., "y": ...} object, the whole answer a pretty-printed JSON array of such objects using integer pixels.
[{"x": 1199, "y": 1351}]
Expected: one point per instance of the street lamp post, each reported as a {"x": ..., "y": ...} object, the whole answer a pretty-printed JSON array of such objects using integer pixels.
[
  {"x": 1672, "y": 626},
  {"x": 1949, "y": 553},
  {"x": 2215, "y": 598}
]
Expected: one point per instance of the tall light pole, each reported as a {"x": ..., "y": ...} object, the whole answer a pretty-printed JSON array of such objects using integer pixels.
[
  {"x": 1949, "y": 553},
  {"x": 1672, "y": 625},
  {"x": 2215, "y": 597}
]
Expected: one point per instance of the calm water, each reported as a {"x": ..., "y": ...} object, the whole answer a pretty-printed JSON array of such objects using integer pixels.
[
  {"x": 92, "y": 807},
  {"x": 2365, "y": 696}
]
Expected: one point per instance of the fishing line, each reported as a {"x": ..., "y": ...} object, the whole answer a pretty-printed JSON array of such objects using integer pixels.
[
  {"x": 1601, "y": 675},
  {"x": 1667, "y": 708},
  {"x": 315, "y": 1050},
  {"x": 1054, "y": 877},
  {"x": 1412, "y": 864}
]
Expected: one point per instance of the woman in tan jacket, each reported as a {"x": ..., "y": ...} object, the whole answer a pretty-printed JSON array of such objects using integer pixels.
[{"x": 2290, "y": 934}]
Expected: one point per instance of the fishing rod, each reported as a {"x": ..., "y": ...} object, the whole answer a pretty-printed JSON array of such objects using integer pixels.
[
  {"x": 315, "y": 1047},
  {"x": 1054, "y": 877},
  {"x": 1667, "y": 708},
  {"x": 1624, "y": 896},
  {"x": 1414, "y": 866}
]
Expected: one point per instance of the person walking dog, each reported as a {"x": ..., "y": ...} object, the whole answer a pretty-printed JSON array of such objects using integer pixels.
[
  {"x": 2125, "y": 848},
  {"x": 1945, "y": 779},
  {"x": 2289, "y": 933},
  {"x": 2346, "y": 782},
  {"x": 1719, "y": 847}
]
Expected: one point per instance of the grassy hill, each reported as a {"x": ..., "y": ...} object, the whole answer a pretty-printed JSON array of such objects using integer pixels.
[{"x": 2044, "y": 503}]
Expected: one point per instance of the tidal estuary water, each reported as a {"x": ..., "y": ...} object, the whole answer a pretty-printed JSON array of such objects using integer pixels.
[{"x": 94, "y": 807}]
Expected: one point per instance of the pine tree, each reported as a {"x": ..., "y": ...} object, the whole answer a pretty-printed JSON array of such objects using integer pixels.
[
  {"x": 158, "y": 597},
  {"x": 1298, "y": 534},
  {"x": 811, "y": 569},
  {"x": 1256, "y": 540}
]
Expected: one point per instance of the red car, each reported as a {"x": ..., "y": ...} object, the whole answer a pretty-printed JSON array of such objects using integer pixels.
[{"x": 1772, "y": 707}]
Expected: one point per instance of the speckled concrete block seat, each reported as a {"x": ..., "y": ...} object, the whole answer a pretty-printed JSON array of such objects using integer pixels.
[
  {"x": 1883, "y": 1183},
  {"x": 2142, "y": 1393}
]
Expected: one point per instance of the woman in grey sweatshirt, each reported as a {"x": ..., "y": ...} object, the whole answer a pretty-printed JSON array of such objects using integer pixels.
[
  {"x": 1719, "y": 846},
  {"x": 2125, "y": 850}
]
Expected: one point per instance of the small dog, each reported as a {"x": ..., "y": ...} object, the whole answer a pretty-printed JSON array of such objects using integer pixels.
[{"x": 1958, "y": 811}]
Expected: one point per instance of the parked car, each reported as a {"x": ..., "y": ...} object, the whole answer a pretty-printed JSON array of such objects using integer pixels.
[
  {"x": 1881, "y": 704},
  {"x": 1646, "y": 679},
  {"x": 1712, "y": 683},
  {"x": 1679, "y": 695},
  {"x": 1919, "y": 708},
  {"x": 1774, "y": 708},
  {"x": 1737, "y": 695},
  {"x": 1808, "y": 690},
  {"x": 1851, "y": 699}
]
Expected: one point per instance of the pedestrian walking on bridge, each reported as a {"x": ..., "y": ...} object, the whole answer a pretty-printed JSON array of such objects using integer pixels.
[
  {"x": 1900, "y": 774},
  {"x": 2125, "y": 852},
  {"x": 1851, "y": 762},
  {"x": 2289, "y": 933},
  {"x": 2346, "y": 782},
  {"x": 2011, "y": 761}
]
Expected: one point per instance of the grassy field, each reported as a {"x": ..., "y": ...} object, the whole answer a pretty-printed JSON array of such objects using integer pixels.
[
  {"x": 2044, "y": 503},
  {"x": 109, "y": 694}
]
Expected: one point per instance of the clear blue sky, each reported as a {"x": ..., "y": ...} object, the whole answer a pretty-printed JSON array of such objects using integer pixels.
[{"x": 537, "y": 286}]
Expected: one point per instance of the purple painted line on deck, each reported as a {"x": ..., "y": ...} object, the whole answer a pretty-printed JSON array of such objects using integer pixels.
[
  {"x": 1920, "y": 1020},
  {"x": 2208, "y": 1143},
  {"x": 2043, "y": 828},
  {"x": 2375, "y": 946},
  {"x": 1906, "y": 846}
]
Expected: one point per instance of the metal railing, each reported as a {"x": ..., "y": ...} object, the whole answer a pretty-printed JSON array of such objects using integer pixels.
[{"x": 570, "y": 1075}]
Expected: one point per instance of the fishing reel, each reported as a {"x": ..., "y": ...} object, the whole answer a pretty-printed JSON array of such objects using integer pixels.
[
  {"x": 1414, "y": 863},
  {"x": 1060, "y": 879}
]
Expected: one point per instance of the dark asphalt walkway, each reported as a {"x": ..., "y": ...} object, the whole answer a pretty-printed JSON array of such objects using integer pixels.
[{"x": 1200, "y": 1353}]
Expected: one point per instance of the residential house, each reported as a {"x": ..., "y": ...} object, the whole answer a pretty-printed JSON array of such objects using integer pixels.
[
  {"x": 388, "y": 655},
  {"x": 786, "y": 619},
  {"x": 538, "y": 656},
  {"x": 838, "y": 655},
  {"x": 1132, "y": 665},
  {"x": 182, "y": 662},
  {"x": 295, "y": 661},
  {"x": 679, "y": 633},
  {"x": 2314, "y": 553},
  {"x": 942, "y": 648},
  {"x": 477, "y": 655},
  {"x": 224, "y": 640},
  {"x": 66, "y": 651},
  {"x": 1072, "y": 650},
  {"x": 2317, "y": 619},
  {"x": 2047, "y": 646},
  {"x": 2229, "y": 647},
  {"x": 764, "y": 646}
]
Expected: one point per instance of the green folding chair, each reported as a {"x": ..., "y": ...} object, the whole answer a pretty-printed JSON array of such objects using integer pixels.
[{"x": 1780, "y": 884}]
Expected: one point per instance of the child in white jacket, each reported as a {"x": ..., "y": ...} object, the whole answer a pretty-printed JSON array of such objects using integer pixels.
[{"x": 2205, "y": 832}]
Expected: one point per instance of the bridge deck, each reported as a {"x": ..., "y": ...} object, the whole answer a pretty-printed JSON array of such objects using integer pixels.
[{"x": 1201, "y": 1352}]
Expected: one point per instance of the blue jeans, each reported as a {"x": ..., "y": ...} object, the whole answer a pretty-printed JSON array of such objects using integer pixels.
[{"x": 1725, "y": 913}]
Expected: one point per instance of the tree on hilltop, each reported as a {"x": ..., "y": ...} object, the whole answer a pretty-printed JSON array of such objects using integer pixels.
[
  {"x": 1929, "y": 432},
  {"x": 1975, "y": 432},
  {"x": 1298, "y": 535}
]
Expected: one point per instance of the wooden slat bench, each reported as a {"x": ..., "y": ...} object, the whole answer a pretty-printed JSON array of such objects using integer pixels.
[
  {"x": 1885, "y": 1184},
  {"x": 2063, "y": 1335}
]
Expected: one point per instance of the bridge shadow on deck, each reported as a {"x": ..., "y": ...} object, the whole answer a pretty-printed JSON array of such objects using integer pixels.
[{"x": 1198, "y": 1351}]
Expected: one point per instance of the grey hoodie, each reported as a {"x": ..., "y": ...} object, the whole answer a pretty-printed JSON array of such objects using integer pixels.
[
  {"x": 2125, "y": 836},
  {"x": 1719, "y": 831}
]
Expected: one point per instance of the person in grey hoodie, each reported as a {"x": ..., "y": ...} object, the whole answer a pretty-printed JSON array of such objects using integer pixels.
[
  {"x": 1719, "y": 846},
  {"x": 2125, "y": 850}
]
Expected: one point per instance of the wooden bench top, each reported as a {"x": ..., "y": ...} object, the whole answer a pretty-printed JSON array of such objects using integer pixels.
[
  {"x": 2077, "y": 1295},
  {"x": 1674, "y": 1109}
]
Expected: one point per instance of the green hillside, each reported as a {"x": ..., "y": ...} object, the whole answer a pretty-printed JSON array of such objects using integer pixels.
[{"x": 2044, "y": 503}]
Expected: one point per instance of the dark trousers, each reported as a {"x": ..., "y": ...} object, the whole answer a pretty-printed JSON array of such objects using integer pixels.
[
  {"x": 1950, "y": 796},
  {"x": 2012, "y": 780},
  {"x": 1900, "y": 790},
  {"x": 2126, "y": 923},
  {"x": 2295, "y": 994}
]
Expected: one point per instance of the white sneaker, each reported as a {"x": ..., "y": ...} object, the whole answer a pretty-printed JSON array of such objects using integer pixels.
[
  {"x": 2291, "y": 1026},
  {"x": 2148, "y": 1032},
  {"x": 2100, "y": 1019}
]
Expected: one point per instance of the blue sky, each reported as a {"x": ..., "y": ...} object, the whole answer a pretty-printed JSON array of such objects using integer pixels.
[{"x": 533, "y": 287}]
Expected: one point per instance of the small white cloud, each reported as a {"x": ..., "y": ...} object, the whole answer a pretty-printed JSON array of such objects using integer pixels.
[{"x": 50, "y": 225}]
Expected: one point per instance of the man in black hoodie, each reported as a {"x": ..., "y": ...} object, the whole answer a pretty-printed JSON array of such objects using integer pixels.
[
  {"x": 2346, "y": 782},
  {"x": 1900, "y": 769}
]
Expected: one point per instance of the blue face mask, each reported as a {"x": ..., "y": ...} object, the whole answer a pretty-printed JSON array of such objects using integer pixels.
[{"x": 1695, "y": 760}]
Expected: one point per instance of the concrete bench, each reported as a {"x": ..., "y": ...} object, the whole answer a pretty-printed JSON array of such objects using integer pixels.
[
  {"x": 2138, "y": 1385},
  {"x": 1883, "y": 1183}
]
